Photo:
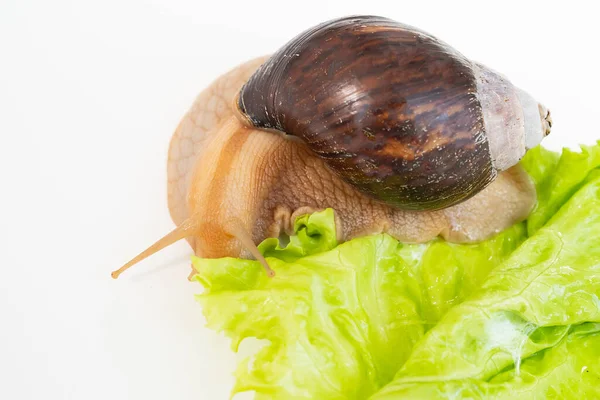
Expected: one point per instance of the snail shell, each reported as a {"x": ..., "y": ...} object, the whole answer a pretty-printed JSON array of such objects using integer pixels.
[{"x": 395, "y": 112}]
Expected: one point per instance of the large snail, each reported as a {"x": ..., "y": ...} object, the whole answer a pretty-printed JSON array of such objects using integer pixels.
[{"x": 392, "y": 128}]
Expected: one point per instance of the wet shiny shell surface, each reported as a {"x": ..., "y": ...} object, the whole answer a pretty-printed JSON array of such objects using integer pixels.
[{"x": 391, "y": 109}]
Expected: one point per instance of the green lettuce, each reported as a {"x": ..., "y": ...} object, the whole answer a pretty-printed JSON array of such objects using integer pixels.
[
  {"x": 532, "y": 329},
  {"x": 372, "y": 317},
  {"x": 557, "y": 178}
]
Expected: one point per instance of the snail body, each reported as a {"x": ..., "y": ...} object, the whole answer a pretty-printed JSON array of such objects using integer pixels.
[{"x": 417, "y": 143}]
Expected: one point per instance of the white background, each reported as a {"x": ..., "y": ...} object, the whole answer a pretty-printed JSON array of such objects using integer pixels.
[{"x": 90, "y": 93}]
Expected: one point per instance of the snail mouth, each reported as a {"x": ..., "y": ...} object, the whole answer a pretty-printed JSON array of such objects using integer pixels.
[{"x": 546, "y": 120}]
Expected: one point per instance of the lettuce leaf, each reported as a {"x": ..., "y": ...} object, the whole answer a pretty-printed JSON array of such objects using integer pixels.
[
  {"x": 569, "y": 369},
  {"x": 557, "y": 178},
  {"x": 340, "y": 322},
  {"x": 514, "y": 335},
  {"x": 516, "y": 314}
]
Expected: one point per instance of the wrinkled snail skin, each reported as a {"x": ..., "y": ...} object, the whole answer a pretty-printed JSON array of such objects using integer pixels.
[
  {"x": 395, "y": 112},
  {"x": 244, "y": 162},
  {"x": 212, "y": 107},
  {"x": 279, "y": 179}
]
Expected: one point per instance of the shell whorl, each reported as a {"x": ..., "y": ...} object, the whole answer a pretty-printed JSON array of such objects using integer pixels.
[{"x": 392, "y": 110}]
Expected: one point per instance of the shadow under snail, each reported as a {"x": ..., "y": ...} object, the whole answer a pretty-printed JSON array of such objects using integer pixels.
[{"x": 392, "y": 128}]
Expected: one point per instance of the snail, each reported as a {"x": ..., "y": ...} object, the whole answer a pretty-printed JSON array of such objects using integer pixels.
[{"x": 395, "y": 130}]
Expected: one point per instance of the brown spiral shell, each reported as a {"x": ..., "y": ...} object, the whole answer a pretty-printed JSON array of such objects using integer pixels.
[{"x": 391, "y": 109}]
